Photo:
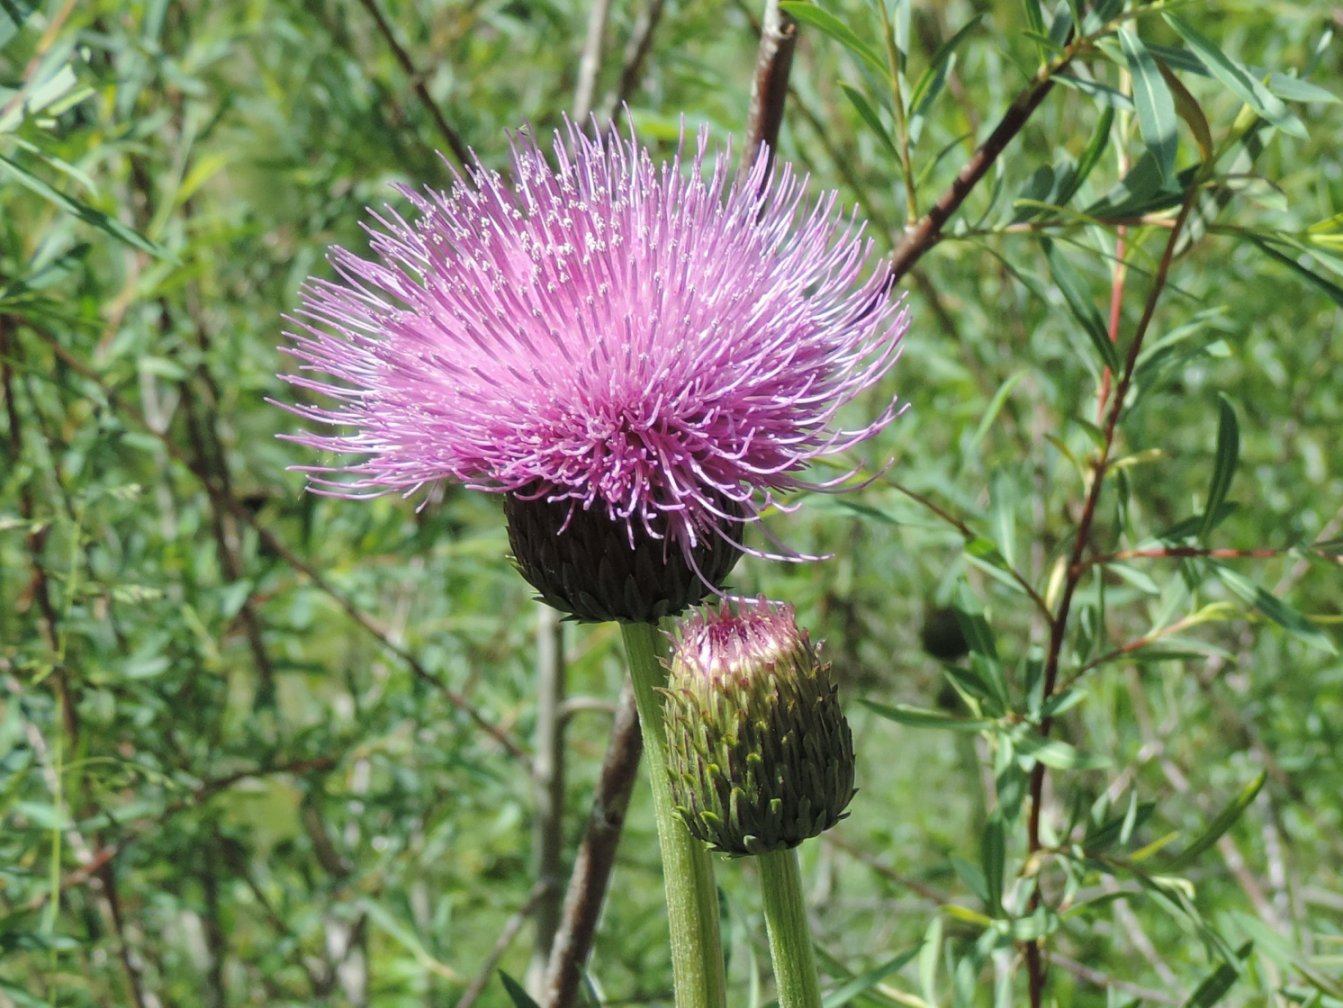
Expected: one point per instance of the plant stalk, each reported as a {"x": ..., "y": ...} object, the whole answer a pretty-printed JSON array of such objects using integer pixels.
[
  {"x": 790, "y": 944},
  {"x": 692, "y": 900}
]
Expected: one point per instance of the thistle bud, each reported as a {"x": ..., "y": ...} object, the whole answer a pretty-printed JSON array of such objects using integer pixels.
[{"x": 760, "y": 754}]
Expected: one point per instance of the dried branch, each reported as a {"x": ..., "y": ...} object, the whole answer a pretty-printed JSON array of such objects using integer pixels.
[{"x": 596, "y": 856}]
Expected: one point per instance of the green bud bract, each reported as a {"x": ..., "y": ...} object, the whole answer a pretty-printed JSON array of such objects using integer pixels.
[{"x": 760, "y": 754}]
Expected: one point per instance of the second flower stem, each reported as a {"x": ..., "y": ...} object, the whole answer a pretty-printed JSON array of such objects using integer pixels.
[
  {"x": 692, "y": 900},
  {"x": 790, "y": 945}
]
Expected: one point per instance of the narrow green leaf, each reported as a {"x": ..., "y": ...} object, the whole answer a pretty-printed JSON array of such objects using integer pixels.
[
  {"x": 972, "y": 875},
  {"x": 869, "y": 115},
  {"x": 1188, "y": 109},
  {"x": 970, "y": 616},
  {"x": 1035, "y": 17},
  {"x": 1223, "y": 821},
  {"x": 820, "y": 18},
  {"x": 1333, "y": 290},
  {"x": 1224, "y": 465},
  {"x": 901, "y": 11},
  {"x": 1103, "y": 93},
  {"x": 931, "y": 80},
  {"x": 1273, "y": 608},
  {"x": 83, "y": 211},
  {"x": 1153, "y": 101},
  {"x": 995, "y": 407},
  {"x": 929, "y": 957},
  {"x": 13, "y": 13},
  {"x": 1057, "y": 754},
  {"x": 993, "y": 859},
  {"x": 1081, "y": 305},
  {"x": 1003, "y": 498},
  {"x": 846, "y": 993},
  {"x": 1101, "y": 12},
  {"x": 1236, "y": 77},
  {"x": 1096, "y": 146},
  {"x": 1142, "y": 191},
  {"x": 917, "y": 717},
  {"x": 1295, "y": 89},
  {"x": 1218, "y": 982}
]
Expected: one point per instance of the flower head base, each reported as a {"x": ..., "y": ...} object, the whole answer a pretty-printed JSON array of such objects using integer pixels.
[
  {"x": 760, "y": 754},
  {"x": 665, "y": 347},
  {"x": 580, "y": 564}
]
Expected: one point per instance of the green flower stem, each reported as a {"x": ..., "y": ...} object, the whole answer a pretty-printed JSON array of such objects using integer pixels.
[
  {"x": 692, "y": 900},
  {"x": 789, "y": 935}
]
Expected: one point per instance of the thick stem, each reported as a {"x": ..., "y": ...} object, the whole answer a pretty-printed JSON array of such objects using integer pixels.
[
  {"x": 789, "y": 935},
  {"x": 692, "y": 901}
]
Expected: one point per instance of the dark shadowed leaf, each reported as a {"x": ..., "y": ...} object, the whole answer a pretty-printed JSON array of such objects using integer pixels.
[
  {"x": 1224, "y": 465},
  {"x": 516, "y": 994}
]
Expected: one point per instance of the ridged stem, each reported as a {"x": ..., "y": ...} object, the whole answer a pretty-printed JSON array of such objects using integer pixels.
[
  {"x": 790, "y": 946},
  {"x": 687, "y": 872}
]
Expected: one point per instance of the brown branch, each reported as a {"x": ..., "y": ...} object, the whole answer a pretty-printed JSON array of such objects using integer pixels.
[
  {"x": 769, "y": 90},
  {"x": 923, "y": 235},
  {"x": 596, "y": 856},
  {"x": 1058, "y": 626},
  {"x": 450, "y": 135}
]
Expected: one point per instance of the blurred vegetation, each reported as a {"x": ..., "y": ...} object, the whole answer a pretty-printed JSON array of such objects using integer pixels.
[{"x": 265, "y": 748}]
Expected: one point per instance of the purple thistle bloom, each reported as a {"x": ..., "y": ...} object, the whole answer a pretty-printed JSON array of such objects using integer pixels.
[{"x": 660, "y": 349}]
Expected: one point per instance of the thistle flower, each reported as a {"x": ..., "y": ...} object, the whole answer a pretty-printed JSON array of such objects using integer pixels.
[
  {"x": 759, "y": 752},
  {"x": 638, "y": 357}
]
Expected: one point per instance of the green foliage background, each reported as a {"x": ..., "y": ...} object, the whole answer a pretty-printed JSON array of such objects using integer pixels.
[{"x": 264, "y": 748}]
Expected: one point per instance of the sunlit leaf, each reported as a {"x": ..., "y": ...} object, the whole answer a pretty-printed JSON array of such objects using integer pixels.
[{"x": 1153, "y": 102}]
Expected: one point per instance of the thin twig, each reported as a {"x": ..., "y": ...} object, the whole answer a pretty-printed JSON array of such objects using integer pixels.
[
  {"x": 596, "y": 856},
  {"x": 969, "y": 534},
  {"x": 1058, "y": 626},
  {"x": 636, "y": 54},
  {"x": 450, "y": 135},
  {"x": 1183, "y": 552},
  {"x": 547, "y": 779},
  {"x": 271, "y": 542},
  {"x": 769, "y": 90},
  {"x": 509, "y": 932},
  {"x": 1106, "y": 982}
]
